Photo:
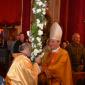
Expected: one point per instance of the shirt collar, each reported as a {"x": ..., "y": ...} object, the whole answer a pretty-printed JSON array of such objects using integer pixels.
[{"x": 56, "y": 50}]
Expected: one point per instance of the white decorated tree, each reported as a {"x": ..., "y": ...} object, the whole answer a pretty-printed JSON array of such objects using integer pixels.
[{"x": 36, "y": 31}]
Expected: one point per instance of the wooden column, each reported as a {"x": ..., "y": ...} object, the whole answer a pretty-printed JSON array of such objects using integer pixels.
[{"x": 54, "y": 9}]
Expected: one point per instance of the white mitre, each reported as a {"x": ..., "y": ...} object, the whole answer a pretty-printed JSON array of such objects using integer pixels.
[{"x": 56, "y": 31}]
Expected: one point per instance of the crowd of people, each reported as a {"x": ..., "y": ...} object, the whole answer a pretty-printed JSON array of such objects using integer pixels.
[{"x": 54, "y": 66}]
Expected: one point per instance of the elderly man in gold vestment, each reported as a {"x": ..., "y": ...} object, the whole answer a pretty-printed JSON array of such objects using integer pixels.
[
  {"x": 55, "y": 61},
  {"x": 22, "y": 71}
]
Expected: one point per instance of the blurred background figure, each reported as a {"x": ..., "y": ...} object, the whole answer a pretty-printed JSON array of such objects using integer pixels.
[
  {"x": 17, "y": 37},
  {"x": 19, "y": 41},
  {"x": 10, "y": 43},
  {"x": 64, "y": 44},
  {"x": 2, "y": 81},
  {"x": 77, "y": 53},
  {"x": 77, "y": 56}
]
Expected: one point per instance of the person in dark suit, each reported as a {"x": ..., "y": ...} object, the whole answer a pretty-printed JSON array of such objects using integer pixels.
[
  {"x": 77, "y": 53},
  {"x": 77, "y": 56},
  {"x": 18, "y": 43}
]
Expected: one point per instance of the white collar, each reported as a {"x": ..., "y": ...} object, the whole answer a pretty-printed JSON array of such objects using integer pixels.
[{"x": 56, "y": 50}]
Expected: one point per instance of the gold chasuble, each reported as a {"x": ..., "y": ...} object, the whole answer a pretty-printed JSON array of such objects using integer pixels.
[
  {"x": 56, "y": 66},
  {"x": 22, "y": 71}
]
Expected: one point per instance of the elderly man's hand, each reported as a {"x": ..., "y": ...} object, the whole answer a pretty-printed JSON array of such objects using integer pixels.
[{"x": 38, "y": 60}]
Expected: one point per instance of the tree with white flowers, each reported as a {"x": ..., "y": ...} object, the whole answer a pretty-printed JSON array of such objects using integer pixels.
[{"x": 36, "y": 31}]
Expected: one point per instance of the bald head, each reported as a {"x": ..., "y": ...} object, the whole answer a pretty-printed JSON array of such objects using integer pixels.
[{"x": 76, "y": 38}]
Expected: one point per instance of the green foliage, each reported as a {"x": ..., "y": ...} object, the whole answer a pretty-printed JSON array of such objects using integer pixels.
[{"x": 39, "y": 12}]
